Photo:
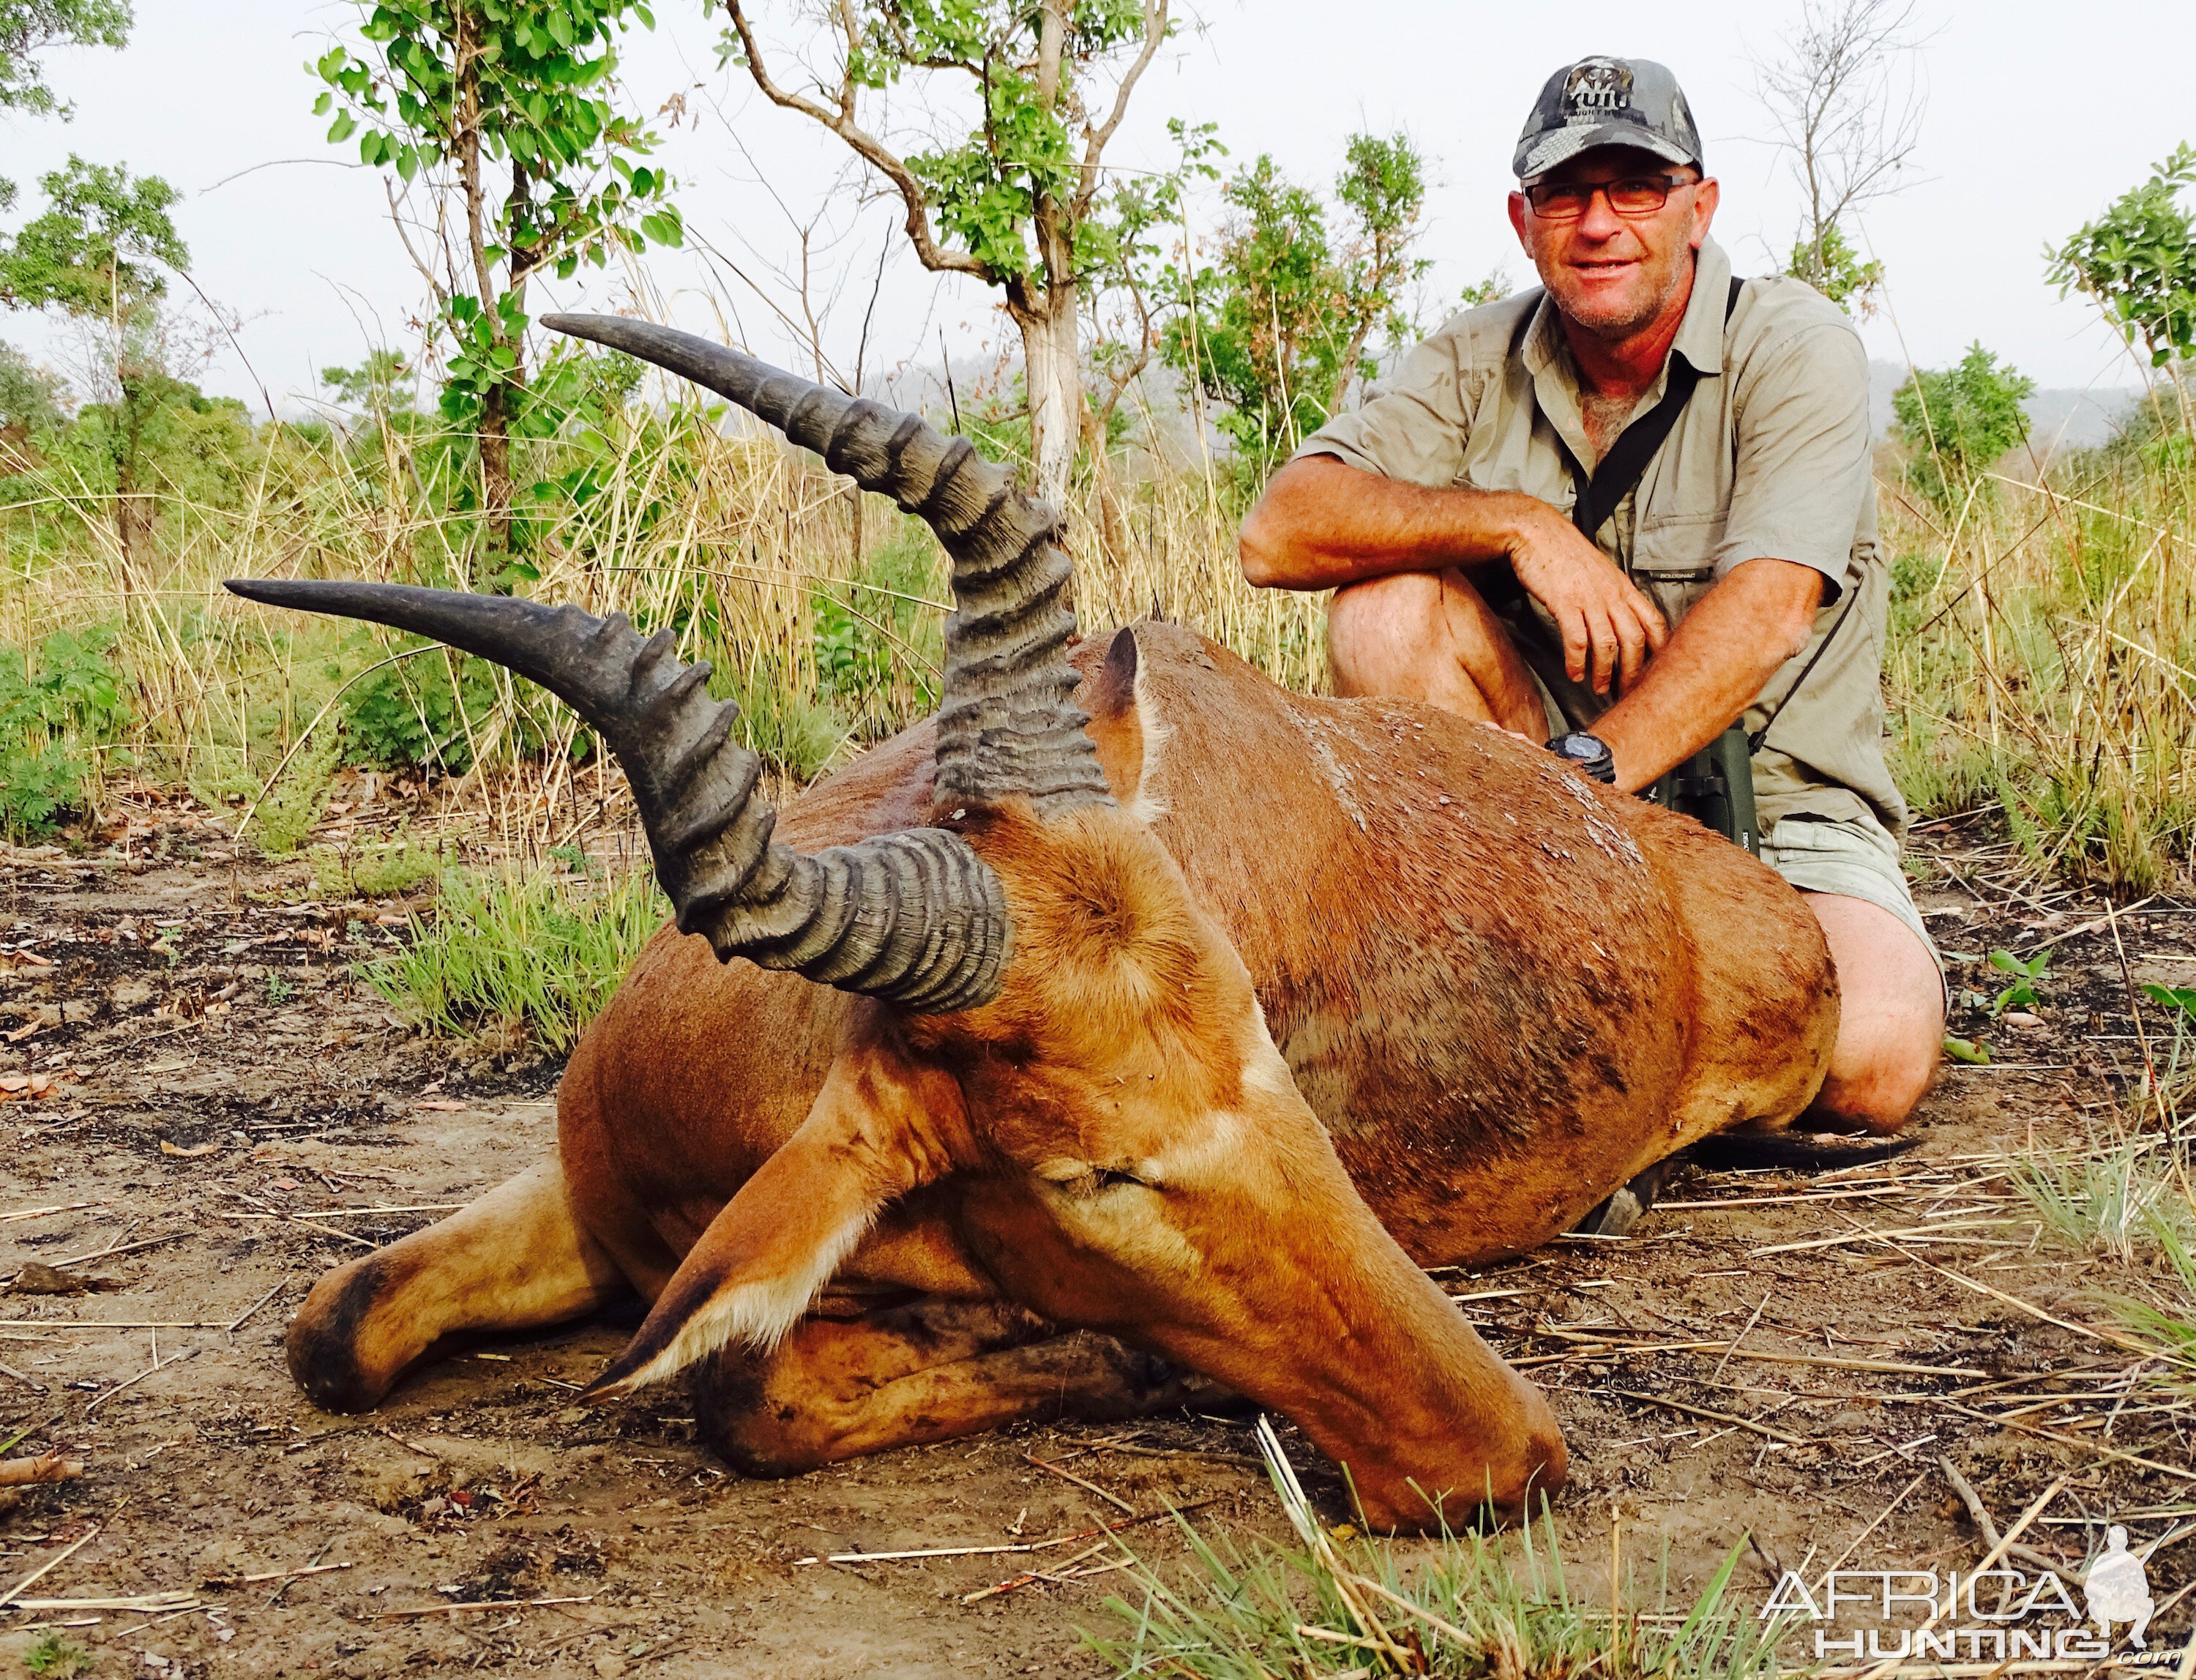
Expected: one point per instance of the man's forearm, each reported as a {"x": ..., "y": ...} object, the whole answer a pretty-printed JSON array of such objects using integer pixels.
[
  {"x": 1717, "y": 660},
  {"x": 1323, "y": 524}
]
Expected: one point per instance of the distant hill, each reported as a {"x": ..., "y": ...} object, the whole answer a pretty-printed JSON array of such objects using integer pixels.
[{"x": 2062, "y": 419}]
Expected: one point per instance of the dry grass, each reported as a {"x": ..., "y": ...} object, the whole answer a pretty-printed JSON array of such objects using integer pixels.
[
  {"x": 2043, "y": 659},
  {"x": 821, "y": 613}
]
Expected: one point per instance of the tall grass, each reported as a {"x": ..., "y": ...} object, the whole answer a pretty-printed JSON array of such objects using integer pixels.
[
  {"x": 821, "y": 611},
  {"x": 2042, "y": 660}
]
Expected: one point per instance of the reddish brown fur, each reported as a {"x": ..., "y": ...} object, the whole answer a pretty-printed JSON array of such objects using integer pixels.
[{"x": 1499, "y": 989}]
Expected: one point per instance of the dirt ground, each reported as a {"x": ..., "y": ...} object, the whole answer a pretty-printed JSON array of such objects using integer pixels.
[{"x": 195, "y": 1082}]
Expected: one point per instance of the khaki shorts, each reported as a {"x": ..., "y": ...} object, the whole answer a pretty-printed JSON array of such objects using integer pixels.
[{"x": 1854, "y": 858}]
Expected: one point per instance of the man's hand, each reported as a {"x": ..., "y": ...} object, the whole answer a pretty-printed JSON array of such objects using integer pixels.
[{"x": 1609, "y": 629}]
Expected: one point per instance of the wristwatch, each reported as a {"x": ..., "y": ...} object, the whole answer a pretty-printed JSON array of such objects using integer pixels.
[{"x": 1589, "y": 753}]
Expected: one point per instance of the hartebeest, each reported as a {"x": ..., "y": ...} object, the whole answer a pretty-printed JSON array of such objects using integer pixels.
[{"x": 1132, "y": 995}]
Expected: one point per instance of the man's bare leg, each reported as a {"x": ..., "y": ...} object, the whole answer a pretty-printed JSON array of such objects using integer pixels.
[
  {"x": 1891, "y": 1024},
  {"x": 1428, "y": 636}
]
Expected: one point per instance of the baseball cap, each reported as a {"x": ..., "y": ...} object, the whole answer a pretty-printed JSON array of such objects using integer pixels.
[{"x": 1607, "y": 101}]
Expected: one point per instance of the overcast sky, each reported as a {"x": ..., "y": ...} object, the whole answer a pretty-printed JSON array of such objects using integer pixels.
[{"x": 2037, "y": 116}]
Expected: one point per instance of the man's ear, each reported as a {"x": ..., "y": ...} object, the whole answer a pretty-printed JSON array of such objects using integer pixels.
[
  {"x": 881, "y": 1125},
  {"x": 1704, "y": 209}
]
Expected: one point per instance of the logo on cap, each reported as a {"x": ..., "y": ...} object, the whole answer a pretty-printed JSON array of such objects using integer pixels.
[{"x": 1596, "y": 89}]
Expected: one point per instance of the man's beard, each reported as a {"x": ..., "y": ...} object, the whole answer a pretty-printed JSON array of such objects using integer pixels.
[{"x": 1615, "y": 328}]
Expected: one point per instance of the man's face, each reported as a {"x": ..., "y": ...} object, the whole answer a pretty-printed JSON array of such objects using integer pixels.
[{"x": 1613, "y": 275}]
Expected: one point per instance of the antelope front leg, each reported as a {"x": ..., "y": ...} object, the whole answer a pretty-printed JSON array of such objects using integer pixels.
[
  {"x": 516, "y": 1258},
  {"x": 839, "y": 1388}
]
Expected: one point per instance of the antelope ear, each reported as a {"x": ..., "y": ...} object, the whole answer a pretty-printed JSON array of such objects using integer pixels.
[
  {"x": 873, "y": 1134},
  {"x": 1120, "y": 726}
]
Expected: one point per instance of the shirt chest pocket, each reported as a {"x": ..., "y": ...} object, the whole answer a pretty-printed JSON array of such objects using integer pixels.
[{"x": 1674, "y": 559}]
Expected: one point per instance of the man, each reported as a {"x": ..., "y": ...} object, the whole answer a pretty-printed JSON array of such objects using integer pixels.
[{"x": 1441, "y": 513}]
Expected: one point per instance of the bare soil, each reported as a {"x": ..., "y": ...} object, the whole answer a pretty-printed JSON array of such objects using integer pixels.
[{"x": 204, "y": 1088}]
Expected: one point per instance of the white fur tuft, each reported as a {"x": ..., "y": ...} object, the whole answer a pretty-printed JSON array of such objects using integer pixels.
[
  {"x": 1147, "y": 806},
  {"x": 757, "y": 1313}
]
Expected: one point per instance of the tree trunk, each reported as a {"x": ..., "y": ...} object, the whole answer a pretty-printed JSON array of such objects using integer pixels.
[{"x": 1053, "y": 380}]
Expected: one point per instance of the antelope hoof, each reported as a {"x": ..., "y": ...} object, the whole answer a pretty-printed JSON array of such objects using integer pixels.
[{"x": 324, "y": 1345}]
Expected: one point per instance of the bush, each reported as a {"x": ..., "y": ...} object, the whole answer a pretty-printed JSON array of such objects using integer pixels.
[
  {"x": 293, "y": 801},
  {"x": 1960, "y": 422},
  {"x": 49, "y": 720},
  {"x": 377, "y": 869}
]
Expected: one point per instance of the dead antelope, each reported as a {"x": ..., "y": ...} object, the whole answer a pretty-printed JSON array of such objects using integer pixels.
[{"x": 1131, "y": 995}]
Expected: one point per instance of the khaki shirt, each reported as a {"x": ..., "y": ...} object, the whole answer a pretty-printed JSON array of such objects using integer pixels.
[{"x": 1771, "y": 459}]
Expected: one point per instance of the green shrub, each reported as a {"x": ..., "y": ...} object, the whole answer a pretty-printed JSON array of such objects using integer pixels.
[
  {"x": 408, "y": 716},
  {"x": 293, "y": 802},
  {"x": 376, "y": 869},
  {"x": 516, "y": 952},
  {"x": 1959, "y": 422},
  {"x": 49, "y": 718}
]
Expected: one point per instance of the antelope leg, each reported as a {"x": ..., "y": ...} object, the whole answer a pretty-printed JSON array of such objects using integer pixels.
[
  {"x": 515, "y": 1259},
  {"x": 839, "y": 1388}
]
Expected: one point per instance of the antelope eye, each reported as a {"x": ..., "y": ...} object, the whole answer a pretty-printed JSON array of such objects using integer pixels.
[{"x": 1084, "y": 1179}]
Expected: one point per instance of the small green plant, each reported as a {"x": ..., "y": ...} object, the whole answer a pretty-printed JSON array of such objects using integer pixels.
[
  {"x": 576, "y": 861},
  {"x": 2026, "y": 976},
  {"x": 517, "y": 951},
  {"x": 280, "y": 990},
  {"x": 1971, "y": 1051},
  {"x": 292, "y": 804},
  {"x": 379, "y": 869},
  {"x": 54, "y": 1656},
  {"x": 48, "y": 719}
]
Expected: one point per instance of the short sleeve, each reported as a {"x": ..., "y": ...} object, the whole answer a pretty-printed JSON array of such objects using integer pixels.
[
  {"x": 1414, "y": 427},
  {"x": 1802, "y": 471}
]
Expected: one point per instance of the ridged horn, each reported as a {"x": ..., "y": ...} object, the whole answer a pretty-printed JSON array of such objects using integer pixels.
[
  {"x": 1007, "y": 726},
  {"x": 916, "y": 917}
]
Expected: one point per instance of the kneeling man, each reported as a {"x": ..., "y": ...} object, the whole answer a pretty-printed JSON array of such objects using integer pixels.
[{"x": 1498, "y": 550}]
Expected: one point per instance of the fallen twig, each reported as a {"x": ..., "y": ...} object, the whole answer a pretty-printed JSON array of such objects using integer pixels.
[
  {"x": 34, "y": 1472},
  {"x": 1746, "y": 1424},
  {"x": 1117, "y": 1503},
  {"x": 216, "y": 1583},
  {"x": 480, "y": 1604},
  {"x": 1984, "y": 1526}
]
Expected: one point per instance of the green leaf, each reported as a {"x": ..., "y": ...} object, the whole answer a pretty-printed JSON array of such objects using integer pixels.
[
  {"x": 2182, "y": 998},
  {"x": 1968, "y": 1050},
  {"x": 342, "y": 128}
]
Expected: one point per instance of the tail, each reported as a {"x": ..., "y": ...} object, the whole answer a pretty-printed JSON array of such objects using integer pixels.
[{"x": 1792, "y": 1152}]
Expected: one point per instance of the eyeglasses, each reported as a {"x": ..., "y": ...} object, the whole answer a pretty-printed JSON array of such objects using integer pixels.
[{"x": 1634, "y": 196}]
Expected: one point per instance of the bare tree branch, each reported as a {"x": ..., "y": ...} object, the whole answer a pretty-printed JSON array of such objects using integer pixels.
[
  {"x": 1847, "y": 106},
  {"x": 1155, "y": 29},
  {"x": 932, "y": 254}
]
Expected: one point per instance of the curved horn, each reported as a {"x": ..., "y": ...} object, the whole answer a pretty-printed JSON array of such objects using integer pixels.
[
  {"x": 916, "y": 917},
  {"x": 1007, "y": 726}
]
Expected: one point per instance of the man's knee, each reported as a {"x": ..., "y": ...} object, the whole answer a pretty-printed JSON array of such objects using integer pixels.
[
  {"x": 1891, "y": 1030},
  {"x": 1381, "y": 628}
]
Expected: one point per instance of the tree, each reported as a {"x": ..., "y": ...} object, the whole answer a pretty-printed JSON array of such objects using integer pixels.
[
  {"x": 98, "y": 254},
  {"x": 2138, "y": 261},
  {"x": 1018, "y": 200},
  {"x": 29, "y": 27},
  {"x": 1276, "y": 328},
  {"x": 1848, "y": 110},
  {"x": 455, "y": 92},
  {"x": 1960, "y": 421}
]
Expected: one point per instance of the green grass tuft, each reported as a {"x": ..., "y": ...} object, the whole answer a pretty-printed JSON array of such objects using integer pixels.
[
  {"x": 54, "y": 1656},
  {"x": 377, "y": 868},
  {"x": 518, "y": 953},
  {"x": 1326, "y": 1608}
]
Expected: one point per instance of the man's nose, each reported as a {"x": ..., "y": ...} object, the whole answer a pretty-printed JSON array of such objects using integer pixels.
[{"x": 1600, "y": 222}]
